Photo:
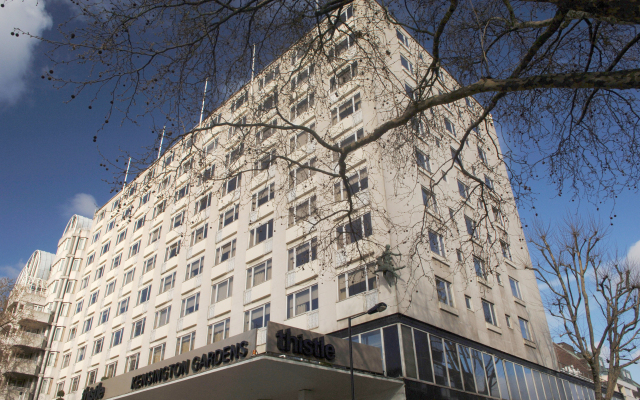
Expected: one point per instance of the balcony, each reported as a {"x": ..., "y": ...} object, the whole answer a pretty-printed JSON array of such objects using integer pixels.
[
  {"x": 29, "y": 339},
  {"x": 40, "y": 317},
  {"x": 16, "y": 393},
  {"x": 24, "y": 367}
]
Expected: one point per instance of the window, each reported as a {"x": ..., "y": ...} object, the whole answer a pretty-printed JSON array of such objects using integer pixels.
[
  {"x": 143, "y": 295},
  {"x": 182, "y": 192},
  {"x": 455, "y": 156},
  {"x": 498, "y": 217},
  {"x": 138, "y": 328},
  {"x": 123, "y": 306},
  {"x": 115, "y": 263},
  {"x": 239, "y": 101},
  {"x": 342, "y": 46},
  {"x": 482, "y": 155},
  {"x": 436, "y": 243},
  {"x": 463, "y": 190},
  {"x": 134, "y": 249},
  {"x": 301, "y": 174},
  {"x": 139, "y": 223},
  {"x": 515, "y": 288},
  {"x": 121, "y": 236},
  {"x": 261, "y": 233},
  {"x": 444, "y": 292},
  {"x": 402, "y": 38},
  {"x": 66, "y": 360},
  {"x": 302, "y": 254},
  {"x": 93, "y": 297},
  {"x": 70, "y": 286},
  {"x": 64, "y": 311},
  {"x": 344, "y": 76},
  {"x": 257, "y": 318},
  {"x": 524, "y": 328},
  {"x": 104, "y": 316},
  {"x": 131, "y": 362},
  {"x": 167, "y": 282},
  {"x": 429, "y": 200},
  {"x": 177, "y": 220},
  {"x": 199, "y": 234},
  {"x": 259, "y": 274},
  {"x": 268, "y": 77},
  {"x": 467, "y": 302},
  {"x": 302, "y": 211},
  {"x": 128, "y": 276},
  {"x": 159, "y": 208},
  {"x": 155, "y": 235},
  {"x": 75, "y": 382},
  {"x": 208, "y": 173},
  {"x": 472, "y": 229},
  {"x": 91, "y": 257},
  {"x": 218, "y": 331},
  {"x": 488, "y": 181},
  {"x": 81, "y": 353},
  {"x": 99, "y": 272},
  {"x": 100, "y": 216},
  {"x": 57, "y": 334},
  {"x": 422, "y": 160},
  {"x": 506, "y": 250},
  {"x": 489, "y": 313},
  {"x": 229, "y": 215},
  {"x": 203, "y": 203},
  {"x": 358, "y": 182},
  {"x": 185, "y": 167},
  {"x": 264, "y": 134},
  {"x": 86, "y": 325},
  {"x": 232, "y": 184},
  {"x": 408, "y": 90},
  {"x": 110, "y": 225},
  {"x": 164, "y": 184},
  {"x": 156, "y": 354},
  {"x": 353, "y": 138},
  {"x": 221, "y": 290},
  {"x": 110, "y": 370},
  {"x": 302, "y": 76},
  {"x": 406, "y": 64},
  {"x": 478, "y": 266},
  {"x": 97, "y": 346},
  {"x": 145, "y": 198},
  {"x": 499, "y": 278},
  {"x": 303, "y": 301},
  {"x": 508, "y": 320},
  {"x": 190, "y": 305},
  {"x": 72, "y": 333},
  {"x": 194, "y": 269},
  {"x": 345, "y": 109},
  {"x": 149, "y": 264},
  {"x": 448, "y": 125},
  {"x": 172, "y": 250},
  {"x": 263, "y": 196},
  {"x": 226, "y": 251},
  {"x": 84, "y": 282},
  {"x": 60, "y": 387},
  {"x": 354, "y": 231},
  {"x": 116, "y": 337},
  {"x": 185, "y": 343},
  {"x": 235, "y": 154},
  {"x": 360, "y": 280},
  {"x": 105, "y": 248},
  {"x": 162, "y": 317},
  {"x": 52, "y": 359}
]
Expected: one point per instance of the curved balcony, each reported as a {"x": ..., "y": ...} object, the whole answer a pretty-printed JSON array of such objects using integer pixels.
[{"x": 28, "y": 339}]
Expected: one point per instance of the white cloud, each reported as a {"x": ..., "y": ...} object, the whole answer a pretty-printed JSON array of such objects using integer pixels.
[
  {"x": 17, "y": 52},
  {"x": 634, "y": 252},
  {"x": 81, "y": 204},
  {"x": 11, "y": 271}
]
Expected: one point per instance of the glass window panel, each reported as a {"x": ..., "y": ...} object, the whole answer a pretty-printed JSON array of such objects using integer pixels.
[
  {"x": 373, "y": 338},
  {"x": 550, "y": 381},
  {"x": 530, "y": 385},
  {"x": 513, "y": 381},
  {"x": 425, "y": 371},
  {"x": 574, "y": 393},
  {"x": 437, "y": 352},
  {"x": 501, "y": 377},
  {"x": 521, "y": 382},
  {"x": 467, "y": 369},
  {"x": 357, "y": 282},
  {"x": 561, "y": 390},
  {"x": 409, "y": 357},
  {"x": 392, "y": 351},
  {"x": 455, "y": 378},
  {"x": 302, "y": 302},
  {"x": 539, "y": 387}
]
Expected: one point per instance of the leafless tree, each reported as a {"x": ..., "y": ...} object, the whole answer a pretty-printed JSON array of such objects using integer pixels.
[{"x": 595, "y": 298}]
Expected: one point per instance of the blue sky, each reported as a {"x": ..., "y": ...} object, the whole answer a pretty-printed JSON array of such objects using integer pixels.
[{"x": 50, "y": 164}]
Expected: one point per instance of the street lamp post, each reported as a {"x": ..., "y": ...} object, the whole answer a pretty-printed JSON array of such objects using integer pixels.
[{"x": 380, "y": 307}]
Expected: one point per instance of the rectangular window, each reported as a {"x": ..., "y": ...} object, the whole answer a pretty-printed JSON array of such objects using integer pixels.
[
  {"x": 182, "y": 192},
  {"x": 402, "y": 38},
  {"x": 72, "y": 333},
  {"x": 345, "y": 76},
  {"x": 190, "y": 305},
  {"x": 515, "y": 288},
  {"x": 75, "y": 382},
  {"x": 104, "y": 316},
  {"x": 268, "y": 77},
  {"x": 116, "y": 337},
  {"x": 105, "y": 248},
  {"x": 167, "y": 282},
  {"x": 524, "y": 328},
  {"x": 303, "y": 301},
  {"x": 134, "y": 249},
  {"x": 185, "y": 343},
  {"x": 264, "y": 134},
  {"x": 218, "y": 331},
  {"x": 117, "y": 260},
  {"x": 478, "y": 266},
  {"x": 302, "y": 76},
  {"x": 506, "y": 250},
  {"x": 86, "y": 325},
  {"x": 156, "y": 354},
  {"x": 436, "y": 243},
  {"x": 226, "y": 251},
  {"x": 110, "y": 370},
  {"x": 445, "y": 295},
  {"x": 259, "y": 274},
  {"x": 232, "y": 184},
  {"x": 229, "y": 215},
  {"x": 263, "y": 196},
  {"x": 302, "y": 106},
  {"x": 482, "y": 155},
  {"x": 97, "y": 346},
  {"x": 448, "y": 125},
  {"x": 149, "y": 264},
  {"x": 145, "y": 198},
  {"x": 194, "y": 269},
  {"x": 81, "y": 353},
  {"x": 300, "y": 139},
  {"x": 172, "y": 250},
  {"x": 261, "y": 233},
  {"x": 406, "y": 64},
  {"x": 159, "y": 208},
  {"x": 123, "y": 306},
  {"x": 128, "y": 276},
  {"x": 177, "y": 220},
  {"x": 143, "y": 295},
  {"x": 358, "y": 181},
  {"x": 139, "y": 223},
  {"x": 360, "y": 280},
  {"x": 199, "y": 234},
  {"x": 91, "y": 257},
  {"x": 84, "y": 282},
  {"x": 66, "y": 360},
  {"x": 488, "y": 182},
  {"x": 121, "y": 236},
  {"x": 302, "y": 254},
  {"x": 301, "y": 212},
  {"x": 472, "y": 229},
  {"x": 207, "y": 175},
  {"x": 429, "y": 200},
  {"x": 110, "y": 225},
  {"x": 353, "y": 138},
  {"x": 155, "y": 235},
  {"x": 70, "y": 286},
  {"x": 93, "y": 297},
  {"x": 463, "y": 190},
  {"x": 422, "y": 160},
  {"x": 467, "y": 302},
  {"x": 257, "y": 318},
  {"x": 299, "y": 175},
  {"x": 222, "y": 290},
  {"x": 203, "y": 203},
  {"x": 131, "y": 362},
  {"x": 489, "y": 313},
  {"x": 358, "y": 229},
  {"x": 137, "y": 328},
  {"x": 345, "y": 109},
  {"x": 234, "y": 155}
]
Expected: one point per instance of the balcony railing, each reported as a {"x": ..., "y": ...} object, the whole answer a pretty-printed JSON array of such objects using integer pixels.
[
  {"x": 30, "y": 340},
  {"x": 27, "y": 367}
]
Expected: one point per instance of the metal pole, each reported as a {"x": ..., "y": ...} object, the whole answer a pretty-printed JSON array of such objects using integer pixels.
[
  {"x": 204, "y": 96},
  {"x": 126, "y": 174},
  {"x": 353, "y": 388},
  {"x": 161, "y": 139}
]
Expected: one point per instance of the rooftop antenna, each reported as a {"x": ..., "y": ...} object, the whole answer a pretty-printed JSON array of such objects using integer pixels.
[
  {"x": 126, "y": 174},
  {"x": 253, "y": 63},
  {"x": 203, "y": 98},
  {"x": 160, "y": 147}
]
